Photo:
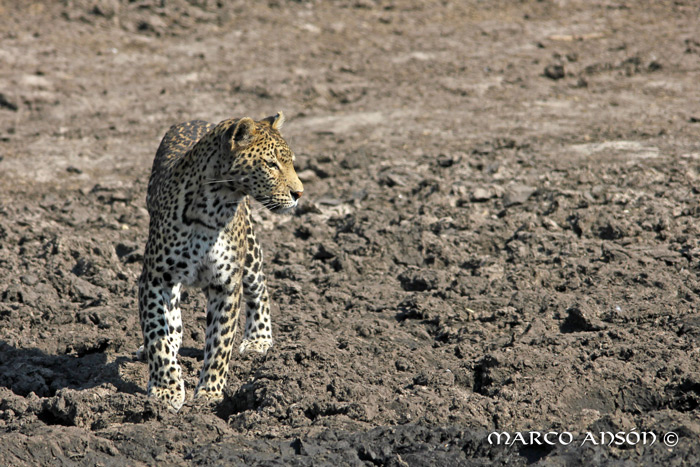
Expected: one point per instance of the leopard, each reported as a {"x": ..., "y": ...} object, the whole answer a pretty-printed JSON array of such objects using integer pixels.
[{"x": 201, "y": 235}]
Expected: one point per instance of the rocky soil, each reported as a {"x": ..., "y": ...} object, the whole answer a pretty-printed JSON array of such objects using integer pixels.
[{"x": 499, "y": 230}]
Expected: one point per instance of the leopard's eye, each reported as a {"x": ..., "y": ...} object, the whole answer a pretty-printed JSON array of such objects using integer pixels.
[{"x": 272, "y": 163}]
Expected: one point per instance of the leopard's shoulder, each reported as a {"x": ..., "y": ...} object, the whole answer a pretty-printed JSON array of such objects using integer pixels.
[{"x": 178, "y": 140}]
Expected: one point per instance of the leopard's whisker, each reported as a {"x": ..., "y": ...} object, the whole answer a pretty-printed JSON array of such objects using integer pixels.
[{"x": 212, "y": 181}]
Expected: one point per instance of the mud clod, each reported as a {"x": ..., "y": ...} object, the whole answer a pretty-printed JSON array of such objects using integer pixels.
[{"x": 554, "y": 72}]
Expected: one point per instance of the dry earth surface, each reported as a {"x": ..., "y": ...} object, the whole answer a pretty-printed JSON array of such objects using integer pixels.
[{"x": 499, "y": 230}]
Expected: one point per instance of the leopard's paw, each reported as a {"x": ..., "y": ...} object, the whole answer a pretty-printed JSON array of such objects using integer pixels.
[
  {"x": 140, "y": 354},
  {"x": 207, "y": 396},
  {"x": 173, "y": 395},
  {"x": 259, "y": 345}
]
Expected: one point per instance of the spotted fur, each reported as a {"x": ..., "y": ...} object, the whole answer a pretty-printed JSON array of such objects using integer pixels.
[{"x": 201, "y": 235}]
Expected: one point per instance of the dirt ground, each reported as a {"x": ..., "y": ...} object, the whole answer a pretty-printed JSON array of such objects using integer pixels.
[{"x": 499, "y": 230}]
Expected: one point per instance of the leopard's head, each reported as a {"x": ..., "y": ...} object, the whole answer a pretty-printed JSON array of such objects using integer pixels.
[{"x": 262, "y": 164}]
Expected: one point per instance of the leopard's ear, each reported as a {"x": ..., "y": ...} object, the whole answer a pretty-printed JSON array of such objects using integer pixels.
[
  {"x": 275, "y": 121},
  {"x": 241, "y": 134}
]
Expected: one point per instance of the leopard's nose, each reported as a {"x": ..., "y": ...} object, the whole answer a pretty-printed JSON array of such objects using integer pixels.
[{"x": 296, "y": 194}]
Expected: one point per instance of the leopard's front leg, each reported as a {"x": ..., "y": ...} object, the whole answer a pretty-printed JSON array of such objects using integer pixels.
[
  {"x": 223, "y": 305},
  {"x": 161, "y": 324},
  {"x": 258, "y": 327}
]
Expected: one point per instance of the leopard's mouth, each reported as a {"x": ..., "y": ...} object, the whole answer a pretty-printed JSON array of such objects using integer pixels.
[{"x": 277, "y": 207}]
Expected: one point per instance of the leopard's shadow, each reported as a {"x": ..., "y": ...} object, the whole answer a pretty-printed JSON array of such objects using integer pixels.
[
  {"x": 192, "y": 352},
  {"x": 24, "y": 371}
]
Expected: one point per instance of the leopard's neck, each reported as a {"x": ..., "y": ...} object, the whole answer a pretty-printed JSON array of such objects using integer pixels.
[{"x": 208, "y": 201}]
